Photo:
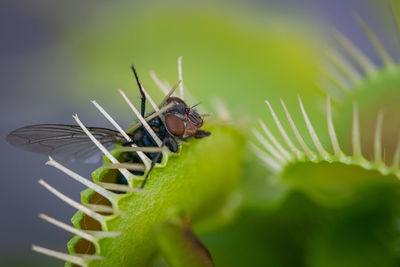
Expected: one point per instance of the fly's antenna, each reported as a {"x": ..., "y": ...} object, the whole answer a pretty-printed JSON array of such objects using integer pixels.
[{"x": 195, "y": 105}]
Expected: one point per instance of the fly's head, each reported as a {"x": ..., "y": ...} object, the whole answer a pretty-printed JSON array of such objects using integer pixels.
[{"x": 183, "y": 121}]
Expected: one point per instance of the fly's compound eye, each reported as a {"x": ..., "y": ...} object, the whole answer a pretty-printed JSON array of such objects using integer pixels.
[{"x": 174, "y": 125}]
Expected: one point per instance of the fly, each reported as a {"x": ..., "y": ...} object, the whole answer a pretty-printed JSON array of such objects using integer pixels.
[{"x": 70, "y": 143}]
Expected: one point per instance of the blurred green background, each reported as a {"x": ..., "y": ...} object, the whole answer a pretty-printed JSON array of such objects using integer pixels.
[{"x": 56, "y": 56}]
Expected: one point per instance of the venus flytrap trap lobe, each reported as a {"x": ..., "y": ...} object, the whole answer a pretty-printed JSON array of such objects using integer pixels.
[
  {"x": 115, "y": 222},
  {"x": 354, "y": 77},
  {"x": 282, "y": 158}
]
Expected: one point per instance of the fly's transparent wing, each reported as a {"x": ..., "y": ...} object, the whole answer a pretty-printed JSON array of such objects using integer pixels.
[{"x": 67, "y": 143}]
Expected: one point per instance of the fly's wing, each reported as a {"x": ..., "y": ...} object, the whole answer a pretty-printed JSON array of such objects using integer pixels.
[{"x": 67, "y": 143}]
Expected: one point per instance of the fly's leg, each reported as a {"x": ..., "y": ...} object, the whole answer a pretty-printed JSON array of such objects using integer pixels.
[
  {"x": 143, "y": 104},
  {"x": 153, "y": 163}
]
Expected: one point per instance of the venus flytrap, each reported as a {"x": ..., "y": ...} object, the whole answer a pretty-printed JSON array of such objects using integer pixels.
[
  {"x": 115, "y": 223},
  {"x": 366, "y": 145}
]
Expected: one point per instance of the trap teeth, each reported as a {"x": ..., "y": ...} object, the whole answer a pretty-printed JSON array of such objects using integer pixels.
[
  {"x": 343, "y": 73},
  {"x": 276, "y": 156}
]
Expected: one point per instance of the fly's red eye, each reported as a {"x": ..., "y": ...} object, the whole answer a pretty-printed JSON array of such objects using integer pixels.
[{"x": 174, "y": 125}]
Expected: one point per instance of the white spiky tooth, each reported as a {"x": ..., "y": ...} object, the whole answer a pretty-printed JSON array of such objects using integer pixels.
[
  {"x": 76, "y": 205},
  {"x": 105, "y": 193},
  {"x": 365, "y": 63},
  {"x": 111, "y": 120},
  {"x": 79, "y": 259},
  {"x": 159, "y": 83},
  {"x": 357, "y": 152},
  {"x": 330, "y": 90},
  {"x": 150, "y": 117},
  {"x": 396, "y": 158},
  {"x": 275, "y": 142},
  {"x": 142, "y": 120},
  {"x": 268, "y": 160},
  {"x": 378, "y": 139},
  {"x": 268, "y": 146},
  {"x": 154, "y": 149},
  {"x": 310, "y": 154},
  {"x": 101, "y": 208},
  {"x": 181, "y": 92},
  {"x": 274, "y": 163},
  {"x": 68, "y": 228},
  {"x": 325, "y": 155},
  {"x": 170, "y": 92},
  {"x": 124, "y": 172},
  {"x": 102, "y": 234},
  {"x": 345, "y": 66},
  {"x": 386, "y": 59},
  {"x": 332, "y": 133},
  {"x": 338, "y": 79},
  {"x": 221, "y": 110},
  {"x": 142, "y": 156},
  {"x": 121, "y": 187},
  {"x": 151, "y": 101},
  {"x": 128, "y": 166},
  {"x": 288, "y": 141}
]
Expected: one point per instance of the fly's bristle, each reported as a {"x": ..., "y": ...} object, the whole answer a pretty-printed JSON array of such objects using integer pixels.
[
  {"x": 78, "y": 259},
  {"x": 72, "y": 203}
]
